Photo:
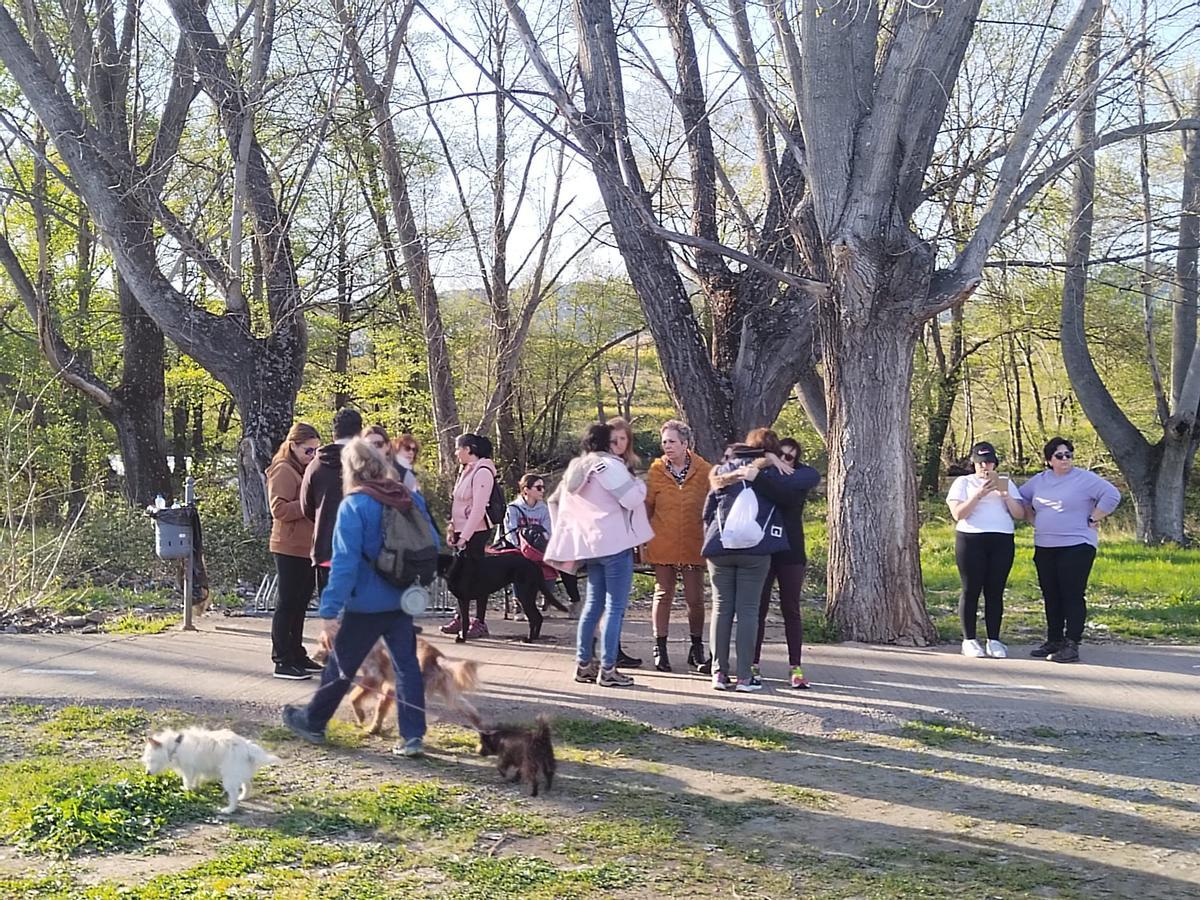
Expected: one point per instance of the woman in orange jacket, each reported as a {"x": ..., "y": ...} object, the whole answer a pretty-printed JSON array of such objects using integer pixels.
[
  {"x": 676, "y": 486},
  {"x": 291, "y": 545}
]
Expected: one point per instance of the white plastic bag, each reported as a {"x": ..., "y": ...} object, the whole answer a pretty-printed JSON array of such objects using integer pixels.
[{"x": 741, "y": 530}]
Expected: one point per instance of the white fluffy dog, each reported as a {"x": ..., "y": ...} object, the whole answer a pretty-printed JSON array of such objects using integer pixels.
[{"x": 198, "y": 755}]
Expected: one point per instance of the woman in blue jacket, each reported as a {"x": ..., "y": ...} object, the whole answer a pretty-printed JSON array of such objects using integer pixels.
[
  {"x": 737, "y": 574},
  {"x": 359, "y": 606}
]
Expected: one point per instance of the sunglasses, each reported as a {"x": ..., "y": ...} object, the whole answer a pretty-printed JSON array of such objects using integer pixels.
[
  {"x": 308, "y": 451},
  {"x": 378, "y": 445},
  {"x": 538, "y": 487},
  {"x": 1064, "y": 454},
  {"x": 788, "y": 457}
]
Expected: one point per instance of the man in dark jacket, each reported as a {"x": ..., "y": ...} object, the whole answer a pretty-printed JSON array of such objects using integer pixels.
[{"x": 321, "y": 490}]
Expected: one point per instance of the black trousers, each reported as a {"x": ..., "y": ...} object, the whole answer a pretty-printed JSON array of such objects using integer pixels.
[
  {"x": 984, "y": 561},
  {"x": 1063, "y": 576},
  {"x": 296, "y": 579}
]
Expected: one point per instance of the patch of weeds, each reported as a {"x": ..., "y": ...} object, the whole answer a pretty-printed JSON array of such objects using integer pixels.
[
  {"x": 445, "y": 736},
  {"x": 637, "y": 836},
  {"x": 801, "y": 796},
  {"x": 105, "y": 815},
  {"x": 903, "y": 872},
  {"x": 22, "y": 713},
  {"x": 44, "y": 887},
  {"x": 1044, "y": 731},
  {"x": 76, "y": 721},
  {"x": 593, "y": 732},
  {"x": 941, "y": 732},
  {"x": 817, "y": 628},
  {"x": 713, "y": 728},
  {"x": 404, "y": 809},
  {"x": 131, "y": 623},
  {"x": 259, "y": 863},
  {"x": 485, "y": 877},
  {"x": 726, "y": 813}
]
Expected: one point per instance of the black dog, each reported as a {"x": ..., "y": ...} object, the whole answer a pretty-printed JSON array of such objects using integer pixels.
[{"x": 523, "y": 754}]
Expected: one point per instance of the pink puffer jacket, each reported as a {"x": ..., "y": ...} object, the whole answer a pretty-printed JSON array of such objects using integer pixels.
[{"x": 598, "y": 510}]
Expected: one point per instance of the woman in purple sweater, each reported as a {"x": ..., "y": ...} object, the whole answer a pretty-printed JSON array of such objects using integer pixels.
[{"x": 1065, "y": 505}]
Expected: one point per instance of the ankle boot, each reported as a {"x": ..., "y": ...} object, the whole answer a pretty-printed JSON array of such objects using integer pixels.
[
  {"x": 696, "y": 653},
  {"x": 661, "y": 661}
]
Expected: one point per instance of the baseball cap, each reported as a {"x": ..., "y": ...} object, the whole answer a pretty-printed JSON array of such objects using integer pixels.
[{"x": 984, "y": 452}]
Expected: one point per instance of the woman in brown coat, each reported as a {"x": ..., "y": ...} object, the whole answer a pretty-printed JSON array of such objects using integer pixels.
[
  {"x": 291, "y": 545},
  {"x": 675, "y": 490}
]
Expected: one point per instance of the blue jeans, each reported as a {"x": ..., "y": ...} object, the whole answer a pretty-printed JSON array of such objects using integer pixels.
[
  {"x": 353, "y": 642},
  {"x": 610, "y": 579}
]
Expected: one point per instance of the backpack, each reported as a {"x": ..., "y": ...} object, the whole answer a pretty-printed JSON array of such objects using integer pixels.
[
  {"x": 409, "y": 554},
  {"x": 740, "y": 529},
  {"x": 494, "y": 511}
]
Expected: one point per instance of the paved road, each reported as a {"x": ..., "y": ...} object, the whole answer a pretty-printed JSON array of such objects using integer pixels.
[{"x": 856, "y": 687}]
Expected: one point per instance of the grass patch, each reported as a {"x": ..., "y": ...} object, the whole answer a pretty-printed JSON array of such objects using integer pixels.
[
  {"x": 596, "y": 732},
  {"x": 78, "y": 721},
  {"x": 1135, "y": 592},
  {"x": 444, "y": 736},
  {"x": 941, "y": 733},
  {"x": 57, "y": 809},
  {"x": 135, "y": 624},
  {"x": 714, "y": 728},
  {"x": 405, "y": 810},
  {"x": 656, "y": 835},
  {"x": 794, "y": 795},
  {"x": 22, "y": 713},
  {"x": 485, "y": 877}
]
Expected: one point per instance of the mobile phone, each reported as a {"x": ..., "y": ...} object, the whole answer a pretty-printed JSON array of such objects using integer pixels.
[{"x": 1001, "y": 483}]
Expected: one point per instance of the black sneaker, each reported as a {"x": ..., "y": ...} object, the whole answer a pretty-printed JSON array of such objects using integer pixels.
[
  {"x": 297, "y": 722},
  {"x": 309, "y": 665},
  {"x": 1046, "y": 649},
  {"x": 1068, "y": 652},
  {"x": 291, "y": 672}
]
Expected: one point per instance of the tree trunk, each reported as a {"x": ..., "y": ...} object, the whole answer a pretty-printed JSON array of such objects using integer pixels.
[{"x": 874, "y": 569}]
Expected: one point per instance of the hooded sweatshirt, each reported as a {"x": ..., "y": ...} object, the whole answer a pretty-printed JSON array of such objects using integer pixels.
[
  {"x": 320, "y": 494},
  {"x": 291, "y": 530},
  {"x": 354, "y": 584}
]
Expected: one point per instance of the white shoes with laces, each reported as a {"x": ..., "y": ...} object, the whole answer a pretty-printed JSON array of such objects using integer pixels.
[{"x": 973, "y": 649}]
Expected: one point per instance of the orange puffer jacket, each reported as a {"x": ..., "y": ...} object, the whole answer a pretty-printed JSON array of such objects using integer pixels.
[{"x": 676, "y": 514}]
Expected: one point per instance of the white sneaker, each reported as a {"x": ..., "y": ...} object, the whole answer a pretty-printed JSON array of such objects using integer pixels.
[
  {"x": 973, "y": 649},
  {"x": 996, "y": 650}
]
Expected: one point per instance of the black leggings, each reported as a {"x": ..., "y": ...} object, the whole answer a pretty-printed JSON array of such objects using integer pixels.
[
  {"x": 295, "y": 588},
  {"x": 984, "y": 560},
  {"x": 1063, "y": 576}
]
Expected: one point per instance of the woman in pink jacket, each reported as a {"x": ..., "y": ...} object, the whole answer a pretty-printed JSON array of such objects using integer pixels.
[
  {"x": 469, "y": 529},
  {"x": 599, "y": 515}
]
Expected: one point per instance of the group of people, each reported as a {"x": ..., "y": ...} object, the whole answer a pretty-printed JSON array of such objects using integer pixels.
[
  {"x": 740, "y": 519},
  {"x": 1065, "y": 504},
  {"x": 602, "y": 516}
]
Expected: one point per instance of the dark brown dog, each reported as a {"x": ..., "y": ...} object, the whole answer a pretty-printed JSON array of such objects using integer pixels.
[
  {"x": 447, "y": 680},
  {"x": 522, "y": 753}
]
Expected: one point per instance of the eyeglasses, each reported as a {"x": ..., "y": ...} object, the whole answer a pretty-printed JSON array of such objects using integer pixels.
[
  {"x": 1064, "y": 454},
  {"x": 308, "y": 451},
  {"x": 538, "y": 487}
]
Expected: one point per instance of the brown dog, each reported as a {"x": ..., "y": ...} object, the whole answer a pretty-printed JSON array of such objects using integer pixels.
[
  {"x": 447, "y": 680},
  {"x": 523, "y": 753}
]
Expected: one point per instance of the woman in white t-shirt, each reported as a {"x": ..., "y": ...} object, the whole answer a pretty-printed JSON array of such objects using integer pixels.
[{"x": 984, "y": 507}]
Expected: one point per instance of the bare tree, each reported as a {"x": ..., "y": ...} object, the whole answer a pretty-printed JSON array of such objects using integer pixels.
[
  {"x": 261, "y": 372},
  {"x": 1157, "y": 471},
  {"x": 837, "y": 251}
]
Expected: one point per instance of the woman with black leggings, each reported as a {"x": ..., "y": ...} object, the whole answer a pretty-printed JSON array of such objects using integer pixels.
[{"x": 984, "y": 506}]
